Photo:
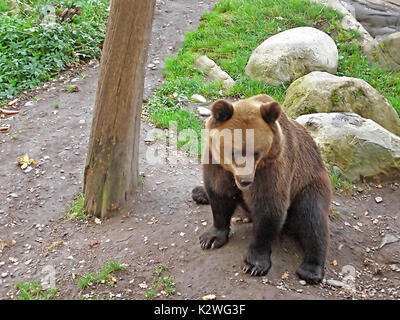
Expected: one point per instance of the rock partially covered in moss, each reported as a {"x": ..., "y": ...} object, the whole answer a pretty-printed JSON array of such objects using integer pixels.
[
  {"x": 324, "y": 92},
  {"x": 291, "y": 54},
  {"x": 359, "y": 147},
  {"x": 386, "y": 53}
]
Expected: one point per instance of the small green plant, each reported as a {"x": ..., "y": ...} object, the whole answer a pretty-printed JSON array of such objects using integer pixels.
[
  {"x": 161, "y": 285},
  {"x": 162, "y": 267},
  {"x": 72, "y": 88},
  {"x": 14, "y": 136},
  {"x": 75, "y": 211},
  {"x": 34, "y": 291},
  {"x": 56, "y": 105},
  {"x": 339, "y": 182},
  {"x": 104, "y": 276},
  {"x": 334, "y": 215},
  {"x": 142, "y": 176}
]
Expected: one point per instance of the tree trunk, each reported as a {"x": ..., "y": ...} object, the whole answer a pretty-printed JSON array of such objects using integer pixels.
[{"x": 111, "y": 171}]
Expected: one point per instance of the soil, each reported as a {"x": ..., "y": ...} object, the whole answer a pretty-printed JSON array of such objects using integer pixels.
[{"x": 162, "y": 225}]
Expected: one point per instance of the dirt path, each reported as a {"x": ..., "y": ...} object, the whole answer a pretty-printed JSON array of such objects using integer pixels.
[{"x": 164, "y": 224}]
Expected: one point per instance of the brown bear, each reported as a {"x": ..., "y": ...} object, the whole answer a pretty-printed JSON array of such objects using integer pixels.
[{"x": 285, "y": 187}]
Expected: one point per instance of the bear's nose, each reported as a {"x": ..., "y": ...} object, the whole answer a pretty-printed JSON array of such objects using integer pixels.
[{"x": 245, "y": 182}]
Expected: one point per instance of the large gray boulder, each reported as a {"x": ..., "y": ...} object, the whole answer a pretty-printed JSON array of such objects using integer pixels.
[
  {"x": 387, "y": 52},
  {"x": 291, "y": 54},
  {"x": 349, "y": 22},
  {"x": 324, "y": 92},
  {"x": 359, "y": 147}
]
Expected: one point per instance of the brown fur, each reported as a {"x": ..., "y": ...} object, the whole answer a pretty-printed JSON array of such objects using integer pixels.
[{"x": 288, "y": 184}]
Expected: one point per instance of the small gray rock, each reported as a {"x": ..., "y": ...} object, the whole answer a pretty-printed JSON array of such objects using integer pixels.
[
  {"x": 204, "y": 111},
  {"x": 378, "y": 199},
  {"x": 388, "y": 239},
  {"x": 335, "y": 283},
  {"x": 198, "y": 98}
]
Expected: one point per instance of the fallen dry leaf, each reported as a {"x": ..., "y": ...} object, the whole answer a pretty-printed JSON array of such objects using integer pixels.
[
  {"x": 11, "y": 103},
  {"x": 152, "y": 220},
  {"x": 210, "y": 297},
  {"x": 6, "y": 243},
  {"x": 4, "y": 128},
  {"x": 91, "y": 245},
  {"x": 54, "y": 245},
  {"x": 284, "y": 276},
  {"x": 9, "y": 112},
  {"x": 97, "y": 221},
  {"x": 25, "y": 161},
  {"x": 334, "y": 263}
]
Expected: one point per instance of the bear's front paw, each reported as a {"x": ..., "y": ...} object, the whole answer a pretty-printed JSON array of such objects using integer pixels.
[
  {"x": 312, "y": 273},
  {"x": 214, "y": 238},
  {"x": 257, "y": 264}
]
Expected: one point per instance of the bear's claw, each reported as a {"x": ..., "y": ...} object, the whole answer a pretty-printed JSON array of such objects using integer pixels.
[
  {"x": 256, "y": 270},
  {"x": 214, "y": 238},
  {"x": 311, "y": 273},
  {"x": 257, "y": 264}
]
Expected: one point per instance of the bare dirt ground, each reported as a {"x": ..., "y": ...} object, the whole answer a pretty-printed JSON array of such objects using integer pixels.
[{"x": 162, "y": 225}]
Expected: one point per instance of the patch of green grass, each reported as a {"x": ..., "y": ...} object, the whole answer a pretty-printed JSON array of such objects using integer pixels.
[
  {"x": 104, "y": 276},
  {"x": 230, "y": 33},
  {"x": 34, "y": 291},
  {"x": 75, "y": 210},
  {"x": 32, "y": 52},
  {"x": 71, "y": 88},
  {"x": 339, "y": 182},
  {"x": 4, "y": 6},
  {"x": 161, "y": 285}
]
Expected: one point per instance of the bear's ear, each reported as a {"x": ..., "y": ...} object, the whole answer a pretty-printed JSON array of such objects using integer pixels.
[
  {"x": 222, "y": 110},
  {"x": 270, "y": 111}
]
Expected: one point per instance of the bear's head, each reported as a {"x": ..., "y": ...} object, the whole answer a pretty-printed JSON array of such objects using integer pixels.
[{"x": 243, "y": 136}]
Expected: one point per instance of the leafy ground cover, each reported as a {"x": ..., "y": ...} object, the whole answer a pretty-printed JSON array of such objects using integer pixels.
[{"x": 36, "y": 42}]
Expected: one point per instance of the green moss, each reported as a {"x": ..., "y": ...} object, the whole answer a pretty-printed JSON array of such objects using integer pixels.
[
  {"x": 359, "y": 93},
  {"x": 335, "y": 97},
  {"x": 310, "y": 110}
]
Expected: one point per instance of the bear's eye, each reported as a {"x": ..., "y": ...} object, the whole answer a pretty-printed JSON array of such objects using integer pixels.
[{"x": 256, "y": 155}]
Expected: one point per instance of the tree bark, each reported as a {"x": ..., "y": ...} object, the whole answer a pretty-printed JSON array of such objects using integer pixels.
[{"x": 111, "y": 171}]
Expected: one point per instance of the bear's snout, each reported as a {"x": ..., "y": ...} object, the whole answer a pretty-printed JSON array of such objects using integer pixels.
[{"x": 244, "y": 182}]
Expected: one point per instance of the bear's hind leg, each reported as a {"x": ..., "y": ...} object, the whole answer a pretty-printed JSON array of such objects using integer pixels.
[
  {"x": 308, "y": 221},
  {"x": 223, "y": 208}
]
